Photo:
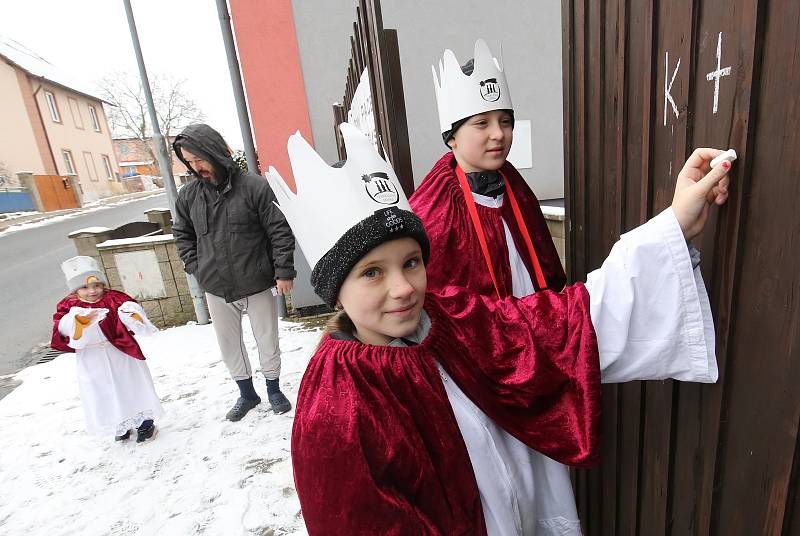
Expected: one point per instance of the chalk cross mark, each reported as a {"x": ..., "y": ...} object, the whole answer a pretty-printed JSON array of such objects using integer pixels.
[{"x": 719, "y": 73}]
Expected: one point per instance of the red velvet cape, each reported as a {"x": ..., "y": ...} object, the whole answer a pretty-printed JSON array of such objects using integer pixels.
[
  {"x": 375, "y": 446},
  {"x": 456, "y": 255},
  {"x": 111, "y": 326}
]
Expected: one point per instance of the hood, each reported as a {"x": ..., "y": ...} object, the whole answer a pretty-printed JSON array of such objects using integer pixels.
[{"x": 207, "y": 143}]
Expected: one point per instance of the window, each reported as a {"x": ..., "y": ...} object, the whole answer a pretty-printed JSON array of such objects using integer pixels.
[
  {"x": 51, "y": 103},
  {"x": 68, "y": 162},
  {"x": 89, "y": 160},
  {"x": 107, "y": 165},
  {"x": 76, "y": 113},
  {"x": 95, "y": 121}
]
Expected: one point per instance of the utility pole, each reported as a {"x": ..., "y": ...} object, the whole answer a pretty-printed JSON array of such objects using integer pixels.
[
  {"x": 163, "y": 158},
  {"x": 241, "y": 104},
  {"x": 238, "y": 88}
]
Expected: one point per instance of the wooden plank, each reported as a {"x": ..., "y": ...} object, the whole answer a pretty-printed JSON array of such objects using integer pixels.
[
  {"x": 791, "y": 523},
  {"x": 575, "y": 46},
  {"x": 401, "y": 146},
  {"x": 46, "y": 193},
  {"x": 758, "y": 447},
  {"x": 594, "y": 142},
  {"x": 629, "y": 430},
  {"x": 638, "y": 97},
  {"x": 369, "y": 46},
  {"x": 700, "y": 409},
  {"x": 605, "y": 485},
  {"x": 339, "y": 117},
  {"x": 616, "y": 40},
  {"x": 568, "y": 68},
  {"x": 668, "y": 137},
  {"x": 611, "y": 30},
  {"x": 648, "y": 78},
  {"x": 579, "y": 195}
]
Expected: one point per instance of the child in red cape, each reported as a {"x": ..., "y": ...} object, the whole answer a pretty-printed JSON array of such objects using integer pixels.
[
  {"x": 98, "y": 324},
  {"x": 485, "y": 225},
  {"x": 417, "y": 410}
]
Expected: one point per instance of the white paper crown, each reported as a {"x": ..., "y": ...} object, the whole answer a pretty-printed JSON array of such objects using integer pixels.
[
  {"x": 459, "y": 95},
  {"x": 78, "y": 271},
  {"x": 329, "y": 200}
]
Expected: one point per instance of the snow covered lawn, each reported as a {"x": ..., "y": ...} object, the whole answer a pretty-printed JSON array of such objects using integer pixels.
[{"x": 201, "y": 474}]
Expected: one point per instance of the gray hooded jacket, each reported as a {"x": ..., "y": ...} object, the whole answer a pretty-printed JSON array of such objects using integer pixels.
[{"x": 230, "y": 235}]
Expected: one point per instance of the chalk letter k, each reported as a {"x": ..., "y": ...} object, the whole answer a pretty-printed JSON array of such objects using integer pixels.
[{"x": 668, "y": 88}]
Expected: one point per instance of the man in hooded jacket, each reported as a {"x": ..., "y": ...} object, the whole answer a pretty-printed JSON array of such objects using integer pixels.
[{"x": 237, "y": 243}]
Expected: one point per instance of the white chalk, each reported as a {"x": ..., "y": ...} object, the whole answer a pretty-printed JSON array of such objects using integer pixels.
[{"x": 727, "y": 156}]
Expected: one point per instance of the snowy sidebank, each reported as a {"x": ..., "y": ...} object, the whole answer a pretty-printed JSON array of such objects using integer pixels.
[{"x": 201, "y": 474}]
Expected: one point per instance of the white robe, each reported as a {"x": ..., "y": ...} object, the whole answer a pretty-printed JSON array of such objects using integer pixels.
[
  {"x": 116, "y": 389},
  {"x": 653, "y": 321}
]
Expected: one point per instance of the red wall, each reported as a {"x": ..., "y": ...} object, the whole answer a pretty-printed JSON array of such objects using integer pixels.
[{"x": 273, "y": 78}]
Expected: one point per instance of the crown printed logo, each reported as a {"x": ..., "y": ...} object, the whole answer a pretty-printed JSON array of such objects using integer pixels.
[
  {"x": 380, "y": 188},
  {"x": 490, "y": 89}
]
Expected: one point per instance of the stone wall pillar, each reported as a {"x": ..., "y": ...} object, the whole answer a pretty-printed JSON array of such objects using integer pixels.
[
  {"x": 158, "y": 281},
  {"x": 86, "y": 241},
  {"x": 76, "y": 185},
  {"x": 29, "y": 183},
  {"x": 161, "y": 216}
]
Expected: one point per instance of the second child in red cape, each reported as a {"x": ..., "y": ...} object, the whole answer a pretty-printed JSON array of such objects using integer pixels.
[
  {"x": 456, "y": 254},
  {"x": 486, "y": 228}
]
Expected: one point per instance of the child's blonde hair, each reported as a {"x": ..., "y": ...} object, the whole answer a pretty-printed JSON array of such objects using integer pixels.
[{"x": 339, "y": 322}]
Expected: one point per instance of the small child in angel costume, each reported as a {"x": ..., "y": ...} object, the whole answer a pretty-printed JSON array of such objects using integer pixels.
[{"x": 99, "y": 324}]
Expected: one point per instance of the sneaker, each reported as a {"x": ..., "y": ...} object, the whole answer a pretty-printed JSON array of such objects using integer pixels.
[
  {"x": 123, "y": 437},
  {"x": 241, "y": 407},
  {"x": 145, "y": 434},
  {"x": 280, "y": 404}
]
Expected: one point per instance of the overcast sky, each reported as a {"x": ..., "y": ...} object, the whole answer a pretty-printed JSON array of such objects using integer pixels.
[{"x": 89, "y": 38}]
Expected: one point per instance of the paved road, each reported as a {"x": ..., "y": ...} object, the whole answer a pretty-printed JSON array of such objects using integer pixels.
[{"x": 31, "y": 281}]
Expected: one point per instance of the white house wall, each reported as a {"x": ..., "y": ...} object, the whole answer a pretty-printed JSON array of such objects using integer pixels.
[{"x": 18, "y": 150}]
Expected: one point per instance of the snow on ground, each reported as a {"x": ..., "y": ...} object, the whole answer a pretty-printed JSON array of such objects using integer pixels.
[
  {"x": 90, "y": 207},
  {"x": 200, "y": 475}
]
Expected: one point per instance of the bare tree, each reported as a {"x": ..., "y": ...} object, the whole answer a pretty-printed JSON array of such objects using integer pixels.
[{"x": 128, "y": 115}]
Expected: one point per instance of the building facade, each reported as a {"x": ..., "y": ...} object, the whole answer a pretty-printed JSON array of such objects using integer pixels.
[
  {"x": 51, "y": 126},
  {"x": 139, "y": 167}
]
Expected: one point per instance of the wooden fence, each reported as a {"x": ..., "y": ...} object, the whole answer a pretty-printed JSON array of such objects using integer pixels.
[
  {"x": 645, "y": 83},
  {"x": 56, "y": 192},
  {"x": 376, "y": 49}
]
